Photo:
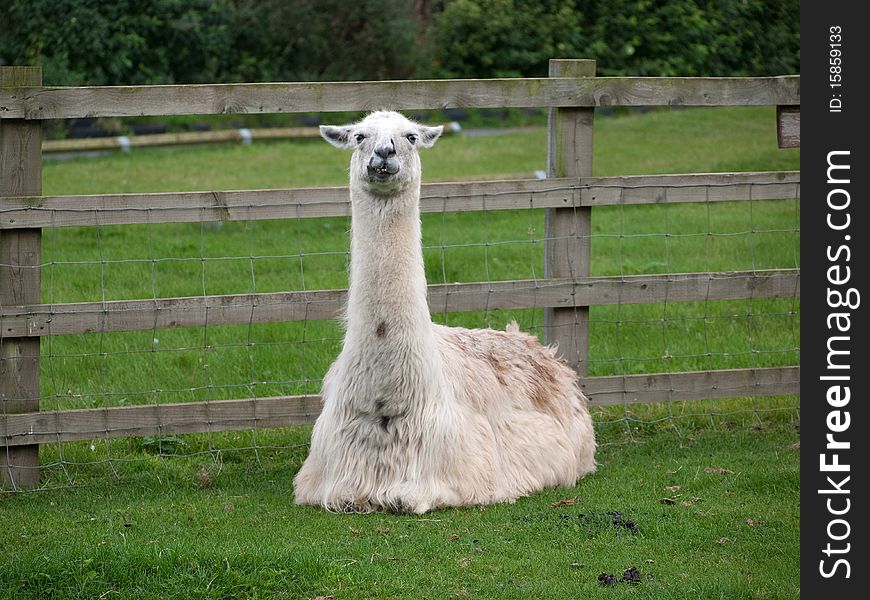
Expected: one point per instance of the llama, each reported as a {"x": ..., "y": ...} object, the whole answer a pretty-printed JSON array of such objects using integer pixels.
[{"x": 418, "y": 416}]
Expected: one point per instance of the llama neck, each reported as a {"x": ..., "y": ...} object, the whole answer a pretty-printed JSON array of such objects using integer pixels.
[{"x": 387, "y": 294}]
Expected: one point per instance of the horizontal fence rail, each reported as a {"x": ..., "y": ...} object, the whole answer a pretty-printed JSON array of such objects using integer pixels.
[
  {"x": 285, "y": 411},
  {"x": 132, "y": 101},
  {"x": 201, "y": 311},
  {"x": 96, "y": 210}
]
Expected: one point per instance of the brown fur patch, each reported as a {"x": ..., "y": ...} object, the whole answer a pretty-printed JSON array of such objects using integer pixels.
[
  {"x": 519, "y": 362},
  {"x": 545, "y": 384},
  {"x": 497, "y": 367}
]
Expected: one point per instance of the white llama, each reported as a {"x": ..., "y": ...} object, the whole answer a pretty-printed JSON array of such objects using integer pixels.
[{"x": 418, "y": 416}]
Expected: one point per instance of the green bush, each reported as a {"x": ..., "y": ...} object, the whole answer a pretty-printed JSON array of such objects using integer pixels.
[
  {"x": 323, "y": 40},
  {"x": 121, "y": 42},
  {"x": 693, "y": 37},
  {"x": 503, "y": 38},
  {"x": 492, "y": 38},
  {"x": 80, "y": 42}
]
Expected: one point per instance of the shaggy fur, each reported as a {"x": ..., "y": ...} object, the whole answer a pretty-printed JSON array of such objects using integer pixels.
[{"x": 418, "y": 416}]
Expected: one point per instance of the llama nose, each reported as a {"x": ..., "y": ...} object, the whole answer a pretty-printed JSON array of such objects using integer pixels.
[{"x": 386, "y": 150}]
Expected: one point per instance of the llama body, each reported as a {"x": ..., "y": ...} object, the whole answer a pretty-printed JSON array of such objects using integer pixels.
[{"x": 416, "y": 415}]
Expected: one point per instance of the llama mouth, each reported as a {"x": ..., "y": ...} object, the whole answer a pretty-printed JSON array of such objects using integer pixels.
[{"x": 381, "y": 174}]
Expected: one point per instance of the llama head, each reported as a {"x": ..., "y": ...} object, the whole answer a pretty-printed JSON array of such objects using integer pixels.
[{"x": 385, "y": 144}]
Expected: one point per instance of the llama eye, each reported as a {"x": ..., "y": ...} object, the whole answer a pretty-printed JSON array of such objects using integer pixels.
[
  {"x": 412, "y": 138},
  {"x": 360, "y": 137}
]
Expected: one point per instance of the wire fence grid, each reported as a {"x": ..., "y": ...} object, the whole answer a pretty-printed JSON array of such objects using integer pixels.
[{"x": 215, "y": 362}]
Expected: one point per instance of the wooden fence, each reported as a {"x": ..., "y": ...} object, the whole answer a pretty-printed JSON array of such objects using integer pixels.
[{"x": 571, "y": 92}]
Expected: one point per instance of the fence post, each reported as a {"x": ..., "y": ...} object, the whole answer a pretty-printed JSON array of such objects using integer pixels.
[
  {"x": 20, "y": 175},
  {"x": 569, "y": 154}
]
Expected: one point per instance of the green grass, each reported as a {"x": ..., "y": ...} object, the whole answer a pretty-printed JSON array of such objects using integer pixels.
[
  {"x": 225, "y": 527},
  {"x": 667, "y": 141},
  {"x": 205, "y": 516}
]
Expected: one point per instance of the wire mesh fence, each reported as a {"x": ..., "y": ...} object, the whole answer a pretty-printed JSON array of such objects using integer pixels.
[
  {"x": 197, "y": 326},
  {"x": 731, "y": 316}
]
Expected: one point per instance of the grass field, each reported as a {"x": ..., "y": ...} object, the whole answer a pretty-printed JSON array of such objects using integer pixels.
[
  {"x": 216, "y": 520},
  {"x": 176, "y": 528}
]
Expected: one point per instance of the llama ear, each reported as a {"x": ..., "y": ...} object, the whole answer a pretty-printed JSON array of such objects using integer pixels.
[
  {"x": 337, "y": 136},
  {"x": 430, "y": 135}
]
